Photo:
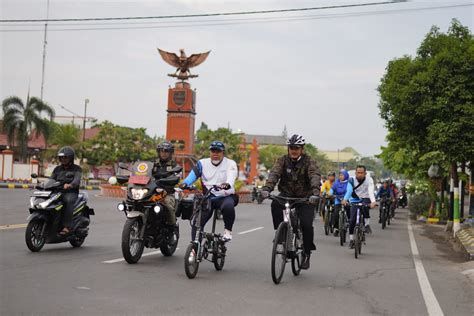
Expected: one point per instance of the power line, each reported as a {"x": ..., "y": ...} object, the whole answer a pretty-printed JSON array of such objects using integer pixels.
[
  {"x": 199, "y": 15},
  {"x": 181, "y": 24}
]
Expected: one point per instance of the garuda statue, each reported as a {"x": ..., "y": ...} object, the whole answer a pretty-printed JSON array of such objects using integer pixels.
[{"x": 183, "y": 63}]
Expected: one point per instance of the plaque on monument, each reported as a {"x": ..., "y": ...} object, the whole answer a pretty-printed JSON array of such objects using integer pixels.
[{"x": 179, "y": 98}]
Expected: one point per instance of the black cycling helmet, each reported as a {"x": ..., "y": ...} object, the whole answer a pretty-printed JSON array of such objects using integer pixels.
[
  {"x": 217, "y": 145},
  {"x": 66, "y": 151},
  {"x": 296, "y": 141},
  {"x": 165, "y": 146}
]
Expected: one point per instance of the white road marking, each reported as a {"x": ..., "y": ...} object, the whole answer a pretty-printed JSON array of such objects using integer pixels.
[
  {"x": 432, "y": 304},
  {"x": 250, "y": 230},
  {"x": 144, "y": 255},
  {"x": 12, "y": 226},
  {"x": 467, "y": 272}
]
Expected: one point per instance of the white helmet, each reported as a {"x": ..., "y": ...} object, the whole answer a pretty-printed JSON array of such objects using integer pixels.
[{"x": 296, "y": 140}]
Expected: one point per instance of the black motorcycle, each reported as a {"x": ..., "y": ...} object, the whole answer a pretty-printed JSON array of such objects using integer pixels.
[
  {"x": 402, "y": 201},
  {"x": 44, "y": 222},
  {"x": 146, "y": 215}
]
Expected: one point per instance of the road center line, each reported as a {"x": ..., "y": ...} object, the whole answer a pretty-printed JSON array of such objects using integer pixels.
[
  {"x": 12, "y": 226},
  {"x": 144, "y": 255},
  {"x": 432, "y": 304},
  {"x": 250, "y": 230}
]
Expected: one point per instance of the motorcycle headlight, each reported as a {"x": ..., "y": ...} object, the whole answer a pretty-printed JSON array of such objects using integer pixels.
[
  {"x": 121, "y": 207},
  {"x": 138, "y": 194},
  {"x": 44, "y": 204}
]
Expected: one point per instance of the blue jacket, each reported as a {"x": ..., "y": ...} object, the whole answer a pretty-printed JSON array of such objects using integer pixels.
[
  {"x": 340, "y": 188},
  {"x": 384, "y": 192}
]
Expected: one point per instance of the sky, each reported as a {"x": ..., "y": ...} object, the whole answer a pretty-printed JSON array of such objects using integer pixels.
[{"x": 315, "y": 72}]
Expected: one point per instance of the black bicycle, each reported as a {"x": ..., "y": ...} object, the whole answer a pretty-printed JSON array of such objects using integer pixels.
[
  {"x": 385, "y": 215},
  {"x": 205, "y": 246},
  {"x": 359, "y": 230},
  {"x": 343, "y": 224},
  {"x": 328, "y": 216},
  {"x": 288, "y": 241}
]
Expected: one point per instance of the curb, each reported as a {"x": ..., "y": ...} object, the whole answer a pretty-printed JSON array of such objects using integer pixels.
[
  {"x": 465, "y": 237},
  {"x": 31, "y": 186}
]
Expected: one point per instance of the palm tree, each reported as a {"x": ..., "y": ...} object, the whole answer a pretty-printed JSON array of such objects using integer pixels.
[{"x": 19, "y": 120}]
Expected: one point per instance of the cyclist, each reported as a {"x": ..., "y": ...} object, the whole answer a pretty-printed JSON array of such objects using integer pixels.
[
  {"x": 161, "y": 167},
  {"x": 221, "y": 170},
  {"x": 385, "y": 193},
  {"x": 362, "y": 191},
  {"x": 338, "y": 190},
  {"x": 258, "y": 184},
  {"x": 297, "y": 176}
]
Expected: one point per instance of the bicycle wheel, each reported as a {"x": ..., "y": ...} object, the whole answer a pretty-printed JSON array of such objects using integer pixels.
[
  {"x": 218, "y": 257},
  {"x": 326, "y": 221},
  {"x": 342, "y": 230},
  {"x": 357, "y": 241},
  {"x": 331, "y": 222},
  {"x": 383, "y": 219},
  {"x": 279, "y": 253},
  {"x": 191, "y": 263},
  {"x": 389, "y": 218},
  {"x": 297, "y": 259}
]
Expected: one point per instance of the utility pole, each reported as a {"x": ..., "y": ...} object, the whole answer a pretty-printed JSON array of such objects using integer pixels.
[
  {"x": 44, "y": 49},
  {"x": 84, "y": 121}
]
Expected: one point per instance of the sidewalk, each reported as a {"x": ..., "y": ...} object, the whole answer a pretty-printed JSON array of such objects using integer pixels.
[{"x": 465, "y": 238}]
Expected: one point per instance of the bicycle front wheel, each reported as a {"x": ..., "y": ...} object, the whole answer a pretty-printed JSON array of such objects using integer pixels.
[
  {"x": 191, "y": 260},
  {"x": 357, "y": 241},
  {"x": 279, "y": 253}
]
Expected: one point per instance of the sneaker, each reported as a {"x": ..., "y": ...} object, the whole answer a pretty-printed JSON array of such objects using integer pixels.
[
  {"x": 351, "y": 244},
  {"x": 305, "y": 263},
  {"x": 336, "y": 232},
  {"x": 368, "y": 230},
  {"x": 227, "y": 236},
  {"x": 380, "y": 221}
]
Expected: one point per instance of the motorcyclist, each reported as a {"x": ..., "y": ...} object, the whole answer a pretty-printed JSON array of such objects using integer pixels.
[
  {"x": 70, "y": 190},
  {"x": 297, "y": 176},
  {"x": 258, "y": 184},
  {"x": 161, "y": 168},
  {"x": 216, "y": 170}
]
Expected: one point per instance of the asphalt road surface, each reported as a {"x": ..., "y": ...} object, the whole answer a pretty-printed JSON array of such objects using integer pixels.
[{"x": 387, "y": 279}]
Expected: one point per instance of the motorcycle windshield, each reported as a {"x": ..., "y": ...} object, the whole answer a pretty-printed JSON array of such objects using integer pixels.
[
  {"x": 141, "y": 173},
  {"x": 49, "y": 184}
]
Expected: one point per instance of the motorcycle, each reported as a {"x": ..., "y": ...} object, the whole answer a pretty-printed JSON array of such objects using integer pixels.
[
  {"x": 146, "y": 214},
  {"x": 44, "y": 222},
  {"x": 258, "y": 194},
  {"x": 402, "y": 201}
]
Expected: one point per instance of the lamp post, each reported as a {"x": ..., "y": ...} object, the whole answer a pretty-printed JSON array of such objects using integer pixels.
[{"x": 84, "y": 121}]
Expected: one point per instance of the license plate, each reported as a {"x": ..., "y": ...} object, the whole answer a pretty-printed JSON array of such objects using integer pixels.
[{"x": 138, "y": 179}]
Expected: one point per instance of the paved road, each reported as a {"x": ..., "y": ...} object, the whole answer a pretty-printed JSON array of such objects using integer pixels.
[{"x": 383, "y": 281}]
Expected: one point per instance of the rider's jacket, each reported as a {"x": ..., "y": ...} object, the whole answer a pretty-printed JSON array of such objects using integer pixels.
[
  {"x": 210, "y": 174},
  {"x": 363, "y": 191},
  {"x": 161, "y": 169},
  {"x": 326, "y": 187},
  {"x": 60, "y": 172},
  {"x": 385, "y": 193},
  {"x": 300, "y": 178},
  {"x": 339, "y": 188}
]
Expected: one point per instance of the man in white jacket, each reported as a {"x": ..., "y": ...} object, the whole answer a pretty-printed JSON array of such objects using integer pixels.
[{"x": 216, "y": 170}]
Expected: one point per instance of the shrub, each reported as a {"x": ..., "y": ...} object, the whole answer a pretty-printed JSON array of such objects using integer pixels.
[{"x": 419, "y": 203}]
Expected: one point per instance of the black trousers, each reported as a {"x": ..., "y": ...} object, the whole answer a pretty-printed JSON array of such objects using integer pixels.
[
  {"x": 305, "y": 213},
  {"x": 69, "y": 198},
  {"x": 353, "y": 218},
  {"x": 227, "y": 207}
]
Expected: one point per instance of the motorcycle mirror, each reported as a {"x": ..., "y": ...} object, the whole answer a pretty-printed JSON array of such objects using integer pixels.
[{"x": 34, "y": 176}]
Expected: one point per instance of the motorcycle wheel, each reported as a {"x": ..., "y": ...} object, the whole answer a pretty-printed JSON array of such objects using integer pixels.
[
  {"x": 77, "y": 242},
  {"x": 132, "y": 246},
  {"x": 33, "y": 241},
  {"x": 168, "y": 249}
]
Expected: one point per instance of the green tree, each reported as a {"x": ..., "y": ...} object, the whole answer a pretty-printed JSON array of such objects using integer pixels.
[
  {"x": 22, "y": 120},
  {"x": 427, "y": 103},
  {"x": 232, "y": 141},
  {"x": 269, "y": 154},
  {"x": 116, "y": 143}
]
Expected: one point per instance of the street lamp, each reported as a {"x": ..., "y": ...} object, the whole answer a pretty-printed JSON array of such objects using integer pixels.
[{"x": 84, "y": 121}]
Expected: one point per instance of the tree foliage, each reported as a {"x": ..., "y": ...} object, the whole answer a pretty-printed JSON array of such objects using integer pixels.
[
  {"x": 116, "y": 143},
  {"x": 22, "y": 120},
  {"x": 427, "y": 103}
]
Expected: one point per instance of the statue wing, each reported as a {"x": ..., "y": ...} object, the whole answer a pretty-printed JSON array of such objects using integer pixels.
[
  {"x": 196, "y": 59},
  {"x": 170, "y": 58}
]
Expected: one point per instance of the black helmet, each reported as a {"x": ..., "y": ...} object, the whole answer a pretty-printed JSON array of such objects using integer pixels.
[
  {"x": 165, "y": 146},
  {"x": 217, "y": 145},
  {"x": 331, "y": 174},
  {"x": 66, "y": 152},
  {"x": 296, "y": 140}
]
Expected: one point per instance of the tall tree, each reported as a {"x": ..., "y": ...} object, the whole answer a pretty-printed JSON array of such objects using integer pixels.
[
  {"x": 231, "y": 140},
  {"x": 22, "y": 120}
]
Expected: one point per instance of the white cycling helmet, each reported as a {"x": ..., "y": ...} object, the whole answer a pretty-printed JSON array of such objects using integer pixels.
[{"x": 296, "y": 140}]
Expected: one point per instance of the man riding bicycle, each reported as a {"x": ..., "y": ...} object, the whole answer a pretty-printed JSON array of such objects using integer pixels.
[
  {"x": 297, "y": 176},
  {"x": 386, "y": 194},
  {"x": 216, "y": 170},
  {"x": 362, "y": 191}
]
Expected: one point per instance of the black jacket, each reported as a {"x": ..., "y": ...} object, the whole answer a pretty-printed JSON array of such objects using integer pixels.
[
  {"x": 60, "y": 172},
  {"x": 161, "y": 170}
]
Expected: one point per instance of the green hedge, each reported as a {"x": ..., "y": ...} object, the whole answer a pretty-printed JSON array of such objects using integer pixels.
[{"x": 419, "y": 203}]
